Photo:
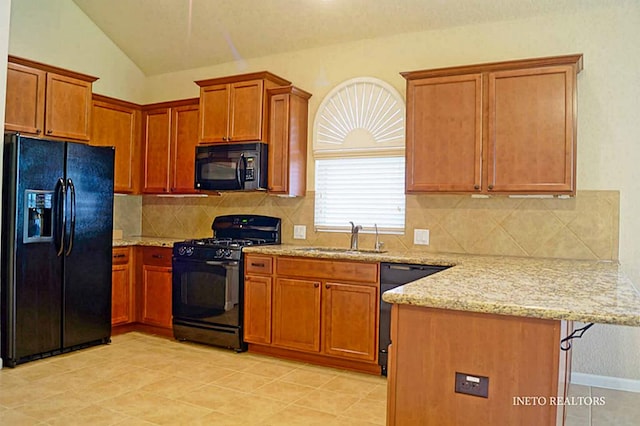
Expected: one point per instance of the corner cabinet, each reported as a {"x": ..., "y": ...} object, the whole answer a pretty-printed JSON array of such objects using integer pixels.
[
  {"x": 117, "y": 123},
  {"x": 122, "y": 287},
  {"x": 47, "y": 101},
  {"x": 156, "y": 274},
  {"x": 319, "y": 311},
  {"x": 235, "y": 108},
  {"x": 170, "y": 138},
  {"x": 288, "y": 118},
  {"x": 504, "y": 127}
]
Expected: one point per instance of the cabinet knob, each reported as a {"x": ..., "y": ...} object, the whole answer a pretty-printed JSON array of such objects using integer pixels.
[
  {"x": 316, "y": 285},
  {"x": 224, "y": 138},
  {"x": 327, "y": 286},
  {"x": 490, "y": 187},
  {"x": 118, "y": 256},
  {"x": 38, "y": 131},
  {"x": 49, "y": 131},
  {"x": 476, "y": 187}
]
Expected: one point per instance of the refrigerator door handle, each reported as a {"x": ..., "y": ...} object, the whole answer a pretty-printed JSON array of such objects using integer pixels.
[
  {"x": 72, "y": 225},
  {"x": 61, "y": 207}
]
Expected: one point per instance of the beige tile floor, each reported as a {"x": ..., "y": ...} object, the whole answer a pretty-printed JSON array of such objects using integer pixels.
[{"x": 146, "y": 380}]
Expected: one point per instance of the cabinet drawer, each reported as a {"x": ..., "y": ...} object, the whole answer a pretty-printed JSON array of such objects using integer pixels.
[
  {"x": 258, "y": 264},
  {"x": 328, "y": 269},
  {"x": 120, "y": 255},
  {"x": 158, "y": 256}
]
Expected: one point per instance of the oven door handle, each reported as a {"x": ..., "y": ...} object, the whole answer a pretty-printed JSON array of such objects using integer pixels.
[{"x": 221, "y": 263}]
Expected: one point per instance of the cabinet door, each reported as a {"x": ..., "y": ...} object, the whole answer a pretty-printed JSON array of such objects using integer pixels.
[
  {"x": 444, "y": 134},
  {"x": 25, "y": 99},
  {"x": 156, "y": 295},
  {"x": 157, "y": 142},
  {"x": 278, "y": 168},
  {"x": 121, "y": 289},
  {"x": 183, "y": 145},
  {"x": 246, "y": 111},
  {"x": 350, "y": 321},
  {"x": 296, "y": 314},
  {"x": 68, "y": 107},
  {"x": 118, "y": 126},
  {"x": 214, "y": 108},
  {"x": 257, "y": 309},
  {"x": 531, "y": 141}
]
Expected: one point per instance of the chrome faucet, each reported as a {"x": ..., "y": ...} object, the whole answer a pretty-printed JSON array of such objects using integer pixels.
[
  {"x": 354, "y": 235},
  {"x": 379, "y": 244}
]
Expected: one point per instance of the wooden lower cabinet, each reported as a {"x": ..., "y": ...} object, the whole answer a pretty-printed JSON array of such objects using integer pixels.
[
  {"x": 155, "y": 307},
  {"x": 349, "y": 320},
  {"x": 296, "y": 314},
  {"x": 121, "y": 287},
  {"x": 257, "y": 308},
  {"x": 316, "y": 311},
  {"x": 520, "y": 356}
]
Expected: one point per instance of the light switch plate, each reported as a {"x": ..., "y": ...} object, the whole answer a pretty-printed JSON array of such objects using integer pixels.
[
  {"x": 299, "y": 232},
  {"x": 421, "y": 237}
]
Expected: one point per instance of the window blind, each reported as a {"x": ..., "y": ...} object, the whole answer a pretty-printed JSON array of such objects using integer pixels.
[{"x": 364, "y": 190}]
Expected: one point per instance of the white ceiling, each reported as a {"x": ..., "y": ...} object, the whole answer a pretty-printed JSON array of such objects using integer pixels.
[{"x": 171, "y": 35}]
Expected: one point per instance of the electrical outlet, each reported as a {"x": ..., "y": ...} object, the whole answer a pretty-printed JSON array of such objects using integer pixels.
[
  {"x": 421, "y": 237},
  {"x": 472, "y": 385},
  {"x": 299, "y": 232}
]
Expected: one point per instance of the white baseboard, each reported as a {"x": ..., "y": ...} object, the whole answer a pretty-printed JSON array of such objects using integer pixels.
[{"x": 607, "y": 382}]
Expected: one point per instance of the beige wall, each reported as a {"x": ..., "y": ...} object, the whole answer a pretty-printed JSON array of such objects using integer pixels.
[{"x": 56, "y": 32}]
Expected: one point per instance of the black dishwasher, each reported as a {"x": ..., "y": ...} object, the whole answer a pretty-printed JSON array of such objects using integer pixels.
[{"x": 393, "y": 275}]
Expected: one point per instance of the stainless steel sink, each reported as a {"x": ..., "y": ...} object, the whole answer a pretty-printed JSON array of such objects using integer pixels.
[{"x": 337, "y": 250}]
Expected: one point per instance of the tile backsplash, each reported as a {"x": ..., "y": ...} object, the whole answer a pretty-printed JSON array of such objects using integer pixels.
[
  {"x": 127, "y": 211},
  {"x": 584, "y": 227}
]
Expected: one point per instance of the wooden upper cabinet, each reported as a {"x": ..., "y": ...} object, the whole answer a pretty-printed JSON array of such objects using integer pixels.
[
  {"x": 117, "y": 123},
  {"x": 531, "y": 130},
  {"x": 246, "y": 111},
  {"x": 157, "y": 143},
  {"x": 170, "y": 138},
  {"x": 504, "y": 127},
  {"x": 25, "y": 99},
  {"x": 68, "y": 107},
  {"x": 444, "y": 134},
  {"x": 47, "y": 101},
  {"x": 288, "y": 117},
  {"x": 215, "y": 104},
  {"x": 235, "y": 108},
  {"x": 183, "y": 146}
]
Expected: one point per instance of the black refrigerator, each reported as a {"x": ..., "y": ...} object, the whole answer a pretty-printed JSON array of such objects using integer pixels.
[{"x": 57, "y": 220}]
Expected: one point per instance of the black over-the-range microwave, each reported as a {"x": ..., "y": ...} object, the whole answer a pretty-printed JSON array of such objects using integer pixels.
[{"x": 231, "y": 167}]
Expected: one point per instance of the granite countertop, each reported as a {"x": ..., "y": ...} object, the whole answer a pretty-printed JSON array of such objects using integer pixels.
[
  {"x": 146, "y": 241},
  {"x": 579, "y": 290}
]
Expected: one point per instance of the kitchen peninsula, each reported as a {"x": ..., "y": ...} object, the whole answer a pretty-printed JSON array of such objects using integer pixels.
[{"x": 501, "y": 318}]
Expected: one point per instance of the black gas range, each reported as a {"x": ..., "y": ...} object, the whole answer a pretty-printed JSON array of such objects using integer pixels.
[{"x": 208, "y": 279}]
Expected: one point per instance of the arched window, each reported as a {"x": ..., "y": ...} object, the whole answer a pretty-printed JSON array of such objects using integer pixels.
[{"x": 358, "y": 145}]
